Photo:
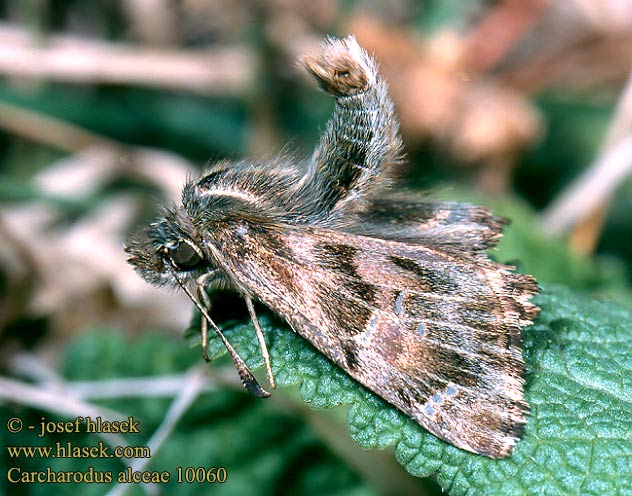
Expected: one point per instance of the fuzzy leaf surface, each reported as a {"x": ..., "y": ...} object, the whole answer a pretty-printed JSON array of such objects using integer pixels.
[{"x": 578, "y": 438}]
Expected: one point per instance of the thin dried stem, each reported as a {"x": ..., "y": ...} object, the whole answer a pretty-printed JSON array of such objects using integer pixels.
[
  {"x": 56, "y": 399},
  {"x": 585, "y": 201},
  {"x": 137, "y": 387},
  {"x": 188, "y": 394},
  {"x": 48, "y": 130},
  {"x": 225, "y": 70},
  {"x": 591, "y": 190}
]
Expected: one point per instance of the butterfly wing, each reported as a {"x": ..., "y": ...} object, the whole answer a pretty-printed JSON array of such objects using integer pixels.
[
  {"x": 434, "y": 333},
  {"x": 441, "y": 224}
]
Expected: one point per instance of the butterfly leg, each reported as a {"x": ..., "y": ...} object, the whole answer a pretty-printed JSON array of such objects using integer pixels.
[
  {"x": 262, "y": 343},
  {"x": 247, "y": 378},
  {"x": 203, "y": 283}
]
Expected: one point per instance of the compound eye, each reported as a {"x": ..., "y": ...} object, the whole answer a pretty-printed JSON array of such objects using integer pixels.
[{"x": 185, "y": 256}]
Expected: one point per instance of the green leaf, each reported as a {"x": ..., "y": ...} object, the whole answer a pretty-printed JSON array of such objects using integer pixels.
[
  {"x": 265, "y": 449},
  {"x": 578, "y": 438}
]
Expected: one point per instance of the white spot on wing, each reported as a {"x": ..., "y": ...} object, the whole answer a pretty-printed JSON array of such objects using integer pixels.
[
  {"x": 451, "y": 391},
  {"x": 371, "y": 326},
  {"x": 399, "y": 304},
  {"x": 365, "y": 336},
  {"x": 431, "y": 406},
  {"x": 421, "y": 329}
]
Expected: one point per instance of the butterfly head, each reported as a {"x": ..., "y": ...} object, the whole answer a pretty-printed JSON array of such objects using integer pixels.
[{"x": 168, "y": 250}]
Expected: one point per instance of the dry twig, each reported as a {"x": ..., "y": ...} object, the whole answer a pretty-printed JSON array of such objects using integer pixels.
[
  {"x": 191, "y": 390},
  {"x": 225, "y": 70},
  {"x": 591, "y": 190},
  {"x": 583, "y": 203},
  {"x": 56, "y": 399}
]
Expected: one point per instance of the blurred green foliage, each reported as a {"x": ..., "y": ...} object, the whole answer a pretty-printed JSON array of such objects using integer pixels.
[
  {"x": 578, "y": 359},
  {"x": 264, "y": 449},
  {"x": 578, "y": 369}
]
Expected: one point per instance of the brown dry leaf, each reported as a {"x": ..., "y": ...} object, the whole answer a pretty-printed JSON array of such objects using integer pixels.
[
  {"x": 495, "y": 122},
  {"x": 79, "y": 175},
  {"x": 82, "y": 275},
  {"x": 437, "y": 98},
  {"x": 83, "y": 278}
]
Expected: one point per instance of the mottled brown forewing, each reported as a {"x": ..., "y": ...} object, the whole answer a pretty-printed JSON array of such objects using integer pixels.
[{"x": 434, "y": 333}]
